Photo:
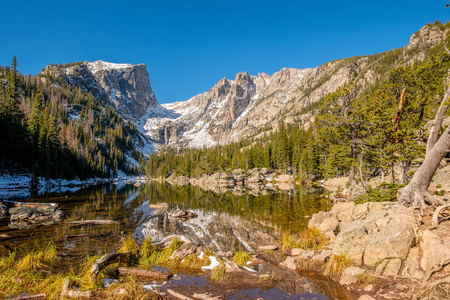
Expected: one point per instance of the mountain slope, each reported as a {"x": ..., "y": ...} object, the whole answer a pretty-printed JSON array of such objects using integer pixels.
[
  {"x": 250, "y": 105},
  {"x": 124, "y": 87}
]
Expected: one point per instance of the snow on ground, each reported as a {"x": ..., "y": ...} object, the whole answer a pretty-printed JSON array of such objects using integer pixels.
[{"x": 18, "y": 186}]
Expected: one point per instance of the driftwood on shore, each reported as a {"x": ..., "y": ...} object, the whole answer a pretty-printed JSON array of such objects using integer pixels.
[
  {"x": 105, "y": 261},
  {"x": 160, "y": 206},
  {"x": 92, "y": 222},
  {"x": 152, "y": 274},
  {"x": 178, "y": 295},
  {"x": 29, "y": 204},
  {"x": 30, "y": 297}
]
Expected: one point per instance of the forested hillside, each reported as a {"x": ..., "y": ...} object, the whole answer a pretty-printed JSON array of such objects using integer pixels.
[
  {"x": 358, "y": 130},
  {"x": 54, "y": 130}
]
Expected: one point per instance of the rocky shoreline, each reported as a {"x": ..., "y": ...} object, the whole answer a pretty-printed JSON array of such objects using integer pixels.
[
  {"x": 389, "y": 251},
  {"x": 256, "y": 181}
]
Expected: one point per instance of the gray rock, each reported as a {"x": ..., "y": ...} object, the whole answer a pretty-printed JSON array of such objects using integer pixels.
[
  {"x": 380, "y": 268},
  {"x": 297, "y": 251},
  {"x": 360, "y": 211},
  {"x": 307, "y": 255},
  {"x": 343, "y": 210},
  {"x": 323, "y": 256},
  {"x": 435, "y": 246},
  {"x": 412, "y": 265},
  {"x": 349, "y": 276},
  {"x": 390, "y": 242},
  {"x": 324, "y": 221},
  {"x": 352, "y": 241},
  {"x": 35, "y": 214},
  {"x": 393, "y": 267},
  {"x": 289, "y": 263}
]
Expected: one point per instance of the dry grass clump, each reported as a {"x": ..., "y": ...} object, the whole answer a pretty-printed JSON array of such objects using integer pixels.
[
  {"x": 129, "y": 244},
  {"x": 219, "y": 271},
  {"x": 241, "y": 258},
  {"x": 308, "y": 239},
  {"x": 30, "y": 274},
  {"x": 312, "y": 239},
  {"x": 366, "y": 279},
  {"x": 147, "y": 248},
  {"x": 338, "y": 264}
]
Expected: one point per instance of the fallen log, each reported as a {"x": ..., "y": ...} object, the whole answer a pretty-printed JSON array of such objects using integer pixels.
[
  {"x": 160, "y": 206},
  {"x": 178, "y": 295},
  {"x": 93, "y": 222},
  {"x": 29, "y": 297},
  {"x": 206, "y": 296},
  {"x": 29, "y": 204},
  {"x": 104, "y": 261},
  {"x": 152, "y": 274},
  {"x": 186, "y": 249}
]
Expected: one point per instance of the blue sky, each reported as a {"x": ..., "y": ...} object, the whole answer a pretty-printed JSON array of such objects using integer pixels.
[{"x": 190, "y": 45}]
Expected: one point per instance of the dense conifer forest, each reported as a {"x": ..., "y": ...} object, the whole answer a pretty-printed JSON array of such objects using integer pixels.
[
  {"x": 358, "y": 131},
  {"x": 54, "y": 130}
]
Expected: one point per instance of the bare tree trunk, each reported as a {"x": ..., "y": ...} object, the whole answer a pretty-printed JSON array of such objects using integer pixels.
[
  {"x": 434, "y": 132},
  {"x": 415, "y": 193}
]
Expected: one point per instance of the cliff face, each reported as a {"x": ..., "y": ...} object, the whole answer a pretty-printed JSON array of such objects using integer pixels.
[
  {"x": 235, "y": 109},
  {"x": 125, "y": 87},
  {"x": 252, "y": 105}
]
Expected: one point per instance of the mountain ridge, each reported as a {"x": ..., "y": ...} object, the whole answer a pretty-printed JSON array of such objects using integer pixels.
[{"x": 246, "y": 106}]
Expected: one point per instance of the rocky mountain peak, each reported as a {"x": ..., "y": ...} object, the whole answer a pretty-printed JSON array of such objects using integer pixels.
[
  {"x": 428, "y": 35},
  {"x": 125, "y": 87}
]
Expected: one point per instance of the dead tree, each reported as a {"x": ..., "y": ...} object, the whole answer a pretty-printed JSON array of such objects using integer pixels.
[{"x": 416, "y": 192}]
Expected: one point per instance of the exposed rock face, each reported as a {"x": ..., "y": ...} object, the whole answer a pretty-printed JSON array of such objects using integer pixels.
[
  {"x": 369, "y": 233},
  {"x": 125, "y": 87},
  {"x": 235, "y": 109}
]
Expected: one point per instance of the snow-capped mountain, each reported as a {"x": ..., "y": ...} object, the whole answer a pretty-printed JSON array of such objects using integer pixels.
[
  {"x": 247, "y": 105},
  {"x": 125, "y": 87},
  {"x": 234, "y": 109}
]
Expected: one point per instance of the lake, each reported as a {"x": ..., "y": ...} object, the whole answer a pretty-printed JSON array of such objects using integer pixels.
[{"x": 225, "y": 222}]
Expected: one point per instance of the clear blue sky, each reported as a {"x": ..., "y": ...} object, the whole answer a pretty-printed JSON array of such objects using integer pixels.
[{"x": 189, "y": 45}]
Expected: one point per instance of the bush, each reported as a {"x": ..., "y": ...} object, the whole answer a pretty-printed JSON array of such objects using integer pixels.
[{"x": 386, "y": 192}]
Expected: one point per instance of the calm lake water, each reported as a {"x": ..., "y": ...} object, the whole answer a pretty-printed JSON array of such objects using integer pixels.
[{"x": 225, "y": 221}]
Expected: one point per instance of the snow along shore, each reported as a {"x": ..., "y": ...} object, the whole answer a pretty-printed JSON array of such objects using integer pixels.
[{"x": 18, "y": 185}]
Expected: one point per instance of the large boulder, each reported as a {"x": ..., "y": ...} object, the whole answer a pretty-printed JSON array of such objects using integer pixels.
[
  {"x": 352, "y": 241},
  {"x": 324, "y": 221},
  {"x": 435, "y": 246},
  {"x": 389, "y": 242},
  {"x": 350, "y": 275},
  {"x": 343, "y": 210}
]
